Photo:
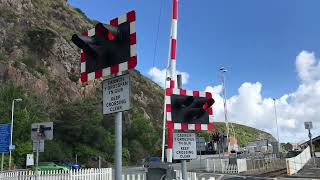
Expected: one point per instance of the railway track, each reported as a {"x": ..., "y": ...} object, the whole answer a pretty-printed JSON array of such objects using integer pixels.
[{"x": 274, "y": 173}]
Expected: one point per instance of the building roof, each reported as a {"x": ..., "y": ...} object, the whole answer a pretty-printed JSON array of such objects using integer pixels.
[{"x": 315, "y": 139}]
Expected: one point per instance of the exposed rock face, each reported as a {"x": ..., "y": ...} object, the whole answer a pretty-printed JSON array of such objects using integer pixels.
[
  {"x": 51, "y": 68},
  {"x": 20, "y": 6},
  {"x": 36, "y": 53}
]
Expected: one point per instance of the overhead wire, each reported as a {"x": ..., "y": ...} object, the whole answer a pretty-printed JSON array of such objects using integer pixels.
[{"x": 157, "y": 35}]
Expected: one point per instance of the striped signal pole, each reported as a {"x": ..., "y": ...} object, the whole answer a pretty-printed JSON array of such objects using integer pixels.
[
  {"x": 170, "y": 81},
  {"x": 173, "y": 55}
]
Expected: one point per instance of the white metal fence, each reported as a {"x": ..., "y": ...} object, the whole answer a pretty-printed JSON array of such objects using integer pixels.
[
  {"x": 223, "y": 166},
  {"x": 82, "y": 174},
  {"x": 296, "y": 163},
  {"x": 239, "y": 166},
  {"x": 134, "y": 176},
  {"x": 264, "y": 165},
  {"x": 191, "y": 175}
]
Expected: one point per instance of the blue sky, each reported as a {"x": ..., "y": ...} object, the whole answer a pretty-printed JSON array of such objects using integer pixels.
[
  {"x": 255, "y": 40},
  {"x": 259, "y": 42}
]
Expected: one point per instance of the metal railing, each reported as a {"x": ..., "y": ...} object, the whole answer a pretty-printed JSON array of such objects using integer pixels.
[{"x": 92, "y": 174}]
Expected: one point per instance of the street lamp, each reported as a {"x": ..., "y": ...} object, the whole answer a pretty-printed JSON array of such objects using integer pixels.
[
  {"x": 223, "y": 70},
  {"x": 11, "y": 131},
  {"x": 275, "y": 113}
]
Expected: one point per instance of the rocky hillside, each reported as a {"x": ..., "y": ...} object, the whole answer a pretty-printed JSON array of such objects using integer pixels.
[{"x": 39, "y": 63}]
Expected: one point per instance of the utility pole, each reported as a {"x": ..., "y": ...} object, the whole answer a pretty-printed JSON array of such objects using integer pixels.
[
  {"x": 223, "y": 71},
  {"x": 276, "y": 116}
]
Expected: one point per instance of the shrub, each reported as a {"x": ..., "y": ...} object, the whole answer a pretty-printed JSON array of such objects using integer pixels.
[
  {"x": 29, "y": 61},
  {"x": 3, "y": 57},
  {"x": 73, "y": 77},
  {"x": 80, "y": 11},
  {"x": 40, "y": 41},
  {"x": 42, "y": 70}
]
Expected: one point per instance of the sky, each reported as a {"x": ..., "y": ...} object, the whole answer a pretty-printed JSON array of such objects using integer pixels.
[{"x": 270, "y": 49}]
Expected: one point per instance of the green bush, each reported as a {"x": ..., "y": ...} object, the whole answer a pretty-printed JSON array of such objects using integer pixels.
[
  {"x": 3, "y": 57},
  {"x": 43, "y": 70},
  {"x": 80, "y": 11},
  {"x": 30, "y": 61},
  {"x": 40, "y": 41},
  {"x": 74, "y": 77},
  {"x": 33, "y": 65}
]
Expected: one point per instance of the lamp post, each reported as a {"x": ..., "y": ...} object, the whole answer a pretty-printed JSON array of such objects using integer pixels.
[
  {"x": 11, "y": 131},
  {"x": 223, "y": 70},
  {"x": 276, "y": 116}
]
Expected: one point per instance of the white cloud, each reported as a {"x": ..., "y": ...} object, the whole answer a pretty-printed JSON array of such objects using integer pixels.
[
  {"x": 307, "y": 66},
  {"x": 249, "y": 107},
  {"x": 293, "y": 109},
  {"x": 159, "y": 76}
]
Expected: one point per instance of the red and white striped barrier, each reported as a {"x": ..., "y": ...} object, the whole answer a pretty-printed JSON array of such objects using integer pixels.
[
  {"x": 173, "y": 41},
  {"x": 173, "y": 55},
  {"x": 115, "y": 69}
]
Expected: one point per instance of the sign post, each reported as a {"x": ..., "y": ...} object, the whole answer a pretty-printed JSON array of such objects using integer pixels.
[
  {"x": 184, "y": 147},
  {"x": 118, "y": 143},
  {"x": 2, "y": 158},
  {"x": 116, "y": 98},
  {"x": 110, "y": 50},
  {"x": 5, "y": 130},
  {"x": 201, "y": 146},
  {"x": 308, "y": 125},
  {"x": 39, "y": 133}
]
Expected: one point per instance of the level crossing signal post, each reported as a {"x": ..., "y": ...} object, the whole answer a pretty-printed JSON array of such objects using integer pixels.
[
  {"x": 109, "y": 50},
  {"x": 186, "y": 111}
]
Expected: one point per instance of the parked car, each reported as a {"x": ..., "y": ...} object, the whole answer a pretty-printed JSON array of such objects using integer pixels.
[
  {"x": 151, "y": 161},
  {"x": 69, "y": 165},
  {"x": 49, "y": 166},
  {"x": 72, "y": 165},
  {"x": 291, "y": 154}
]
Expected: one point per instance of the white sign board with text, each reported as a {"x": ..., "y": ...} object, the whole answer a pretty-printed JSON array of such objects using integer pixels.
[
  {"x": 184, "y": 146},
  {"x": 308, "y": 125},
  {"x": 29, "y": 160},
  {"x": 116, "y": 94}
]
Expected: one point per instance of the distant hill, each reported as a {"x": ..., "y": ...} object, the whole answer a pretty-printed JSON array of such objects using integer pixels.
[
  {"x": 244, "y": 134},
  {"x": 39, "y": 63}
]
